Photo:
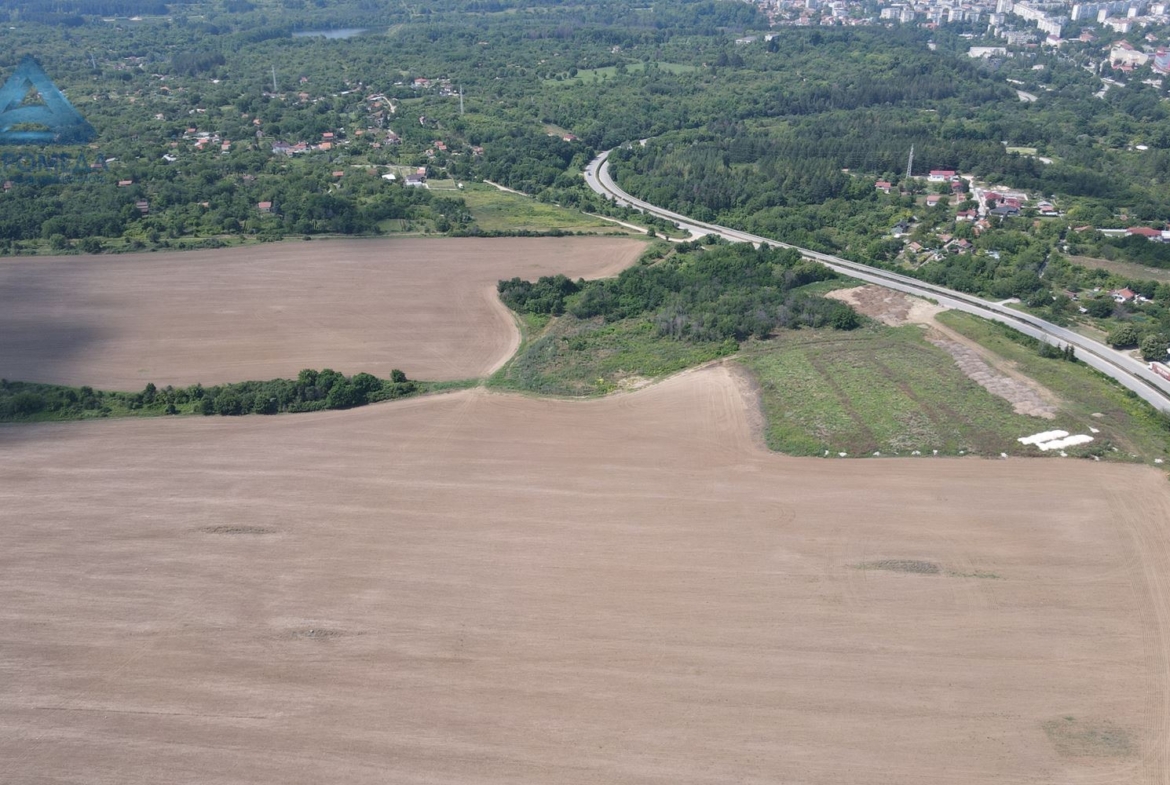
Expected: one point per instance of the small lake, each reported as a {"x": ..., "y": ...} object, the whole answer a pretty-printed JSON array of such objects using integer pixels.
[{"x": 343, "y": 32}]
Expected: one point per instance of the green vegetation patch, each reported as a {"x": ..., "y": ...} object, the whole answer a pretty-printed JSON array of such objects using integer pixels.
[
  {"x": 700, "y": 291},
  {"x": 499, "y": 211},
  {"x": 676, "y": 308},
  {"x": 590, "y": 357},
  {"x": 1127, "y": 271},
  {"x": 595, "y": 75},
  {"x": 912, "y": 566},
  {"x": 1076, "y": 738},
  {"x": 1089, "y": 399},
  {"x": 878, "y": 389},
  {"x": 310, "y": 391}
]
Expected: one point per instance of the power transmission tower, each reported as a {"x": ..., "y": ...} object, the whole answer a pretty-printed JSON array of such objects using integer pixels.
[
  {"x": 274, "y": 79},
  {"x": 910, "y": 163},
  {"x": 461, "y": 100}
]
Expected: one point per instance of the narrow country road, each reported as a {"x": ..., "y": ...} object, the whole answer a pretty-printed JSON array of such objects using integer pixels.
[{"x": 1129, "y": 372}]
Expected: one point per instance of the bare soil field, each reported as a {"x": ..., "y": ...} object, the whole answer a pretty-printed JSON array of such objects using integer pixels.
[
  {"x": 485, "y": 588},
  {"x": 426, "y": 306}
]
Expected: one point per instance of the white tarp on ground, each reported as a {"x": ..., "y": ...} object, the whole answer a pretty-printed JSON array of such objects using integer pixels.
[
  {"x": 1046, "y": 436},
  {"x": 1071, "y": 441}
]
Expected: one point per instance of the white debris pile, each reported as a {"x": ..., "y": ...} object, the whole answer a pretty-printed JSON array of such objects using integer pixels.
[
  {"x": 1046, "y": 436},
  {"x": 1069, "y": 441},
  {"x": 1055, "y": 440}
]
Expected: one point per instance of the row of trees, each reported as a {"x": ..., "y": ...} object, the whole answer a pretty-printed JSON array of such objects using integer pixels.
[{"x": 310, "y": 391}]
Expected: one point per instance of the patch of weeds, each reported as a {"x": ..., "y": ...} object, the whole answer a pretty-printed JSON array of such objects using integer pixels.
[
  {"x": 1074, "y": 738},
  {"x": 913, "y": 566}
]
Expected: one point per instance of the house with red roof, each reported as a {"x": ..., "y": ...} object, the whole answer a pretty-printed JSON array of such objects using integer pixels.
[{"x": 1153, "y": 235}]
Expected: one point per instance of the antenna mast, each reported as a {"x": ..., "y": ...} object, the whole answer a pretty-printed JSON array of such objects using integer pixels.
[{"x": 910, "y": 163}]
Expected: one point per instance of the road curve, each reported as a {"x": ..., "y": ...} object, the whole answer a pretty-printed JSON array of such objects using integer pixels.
[{"x": 1132, "y": 374}]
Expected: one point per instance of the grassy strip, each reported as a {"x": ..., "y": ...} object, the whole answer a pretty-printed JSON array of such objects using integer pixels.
[
  {"x": 311, "y": 391},
  {"x": 595, "y": 75},
  {"x": 591, "y": 357},
  {"x": 499, "y": 211},
  {"x": 1089, "y": 398},
  {"x": 877, "y": 389}
]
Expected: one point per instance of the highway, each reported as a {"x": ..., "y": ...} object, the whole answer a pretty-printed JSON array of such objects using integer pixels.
[{"x": 1129, "y": 372}]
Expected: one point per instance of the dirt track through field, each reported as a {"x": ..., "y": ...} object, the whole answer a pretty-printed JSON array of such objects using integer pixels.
[
  {"x": 481, "y": 588},
  {"x": 425, "y": 306}
]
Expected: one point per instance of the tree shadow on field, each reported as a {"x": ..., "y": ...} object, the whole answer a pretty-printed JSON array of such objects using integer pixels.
[{"x": 41, "y": 333}]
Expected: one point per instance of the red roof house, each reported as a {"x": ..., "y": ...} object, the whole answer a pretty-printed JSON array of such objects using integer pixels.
[{"x": 1145, "y": 231}]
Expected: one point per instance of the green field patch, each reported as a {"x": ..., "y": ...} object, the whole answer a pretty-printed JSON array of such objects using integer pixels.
[
  {"x": 395, "y": 225},
  {"x": 595, "y": 75},
  {"x": 1073, "y": 737},
  {"x": 909, "y": 566},
  {"x": 499, "y": 211},
  {"x": 1127, "y": 270},
  {"x": 591, "y": 357},
  {"x": 877, "y": 389}
]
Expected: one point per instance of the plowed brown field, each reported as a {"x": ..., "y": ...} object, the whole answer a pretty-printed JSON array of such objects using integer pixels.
[
  {"x": 479, "y": 588},
  {"x": 425, "y": 306}
]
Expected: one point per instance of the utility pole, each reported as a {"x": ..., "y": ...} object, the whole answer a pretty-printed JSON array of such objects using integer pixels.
[{"x": 910, "y": 163}]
